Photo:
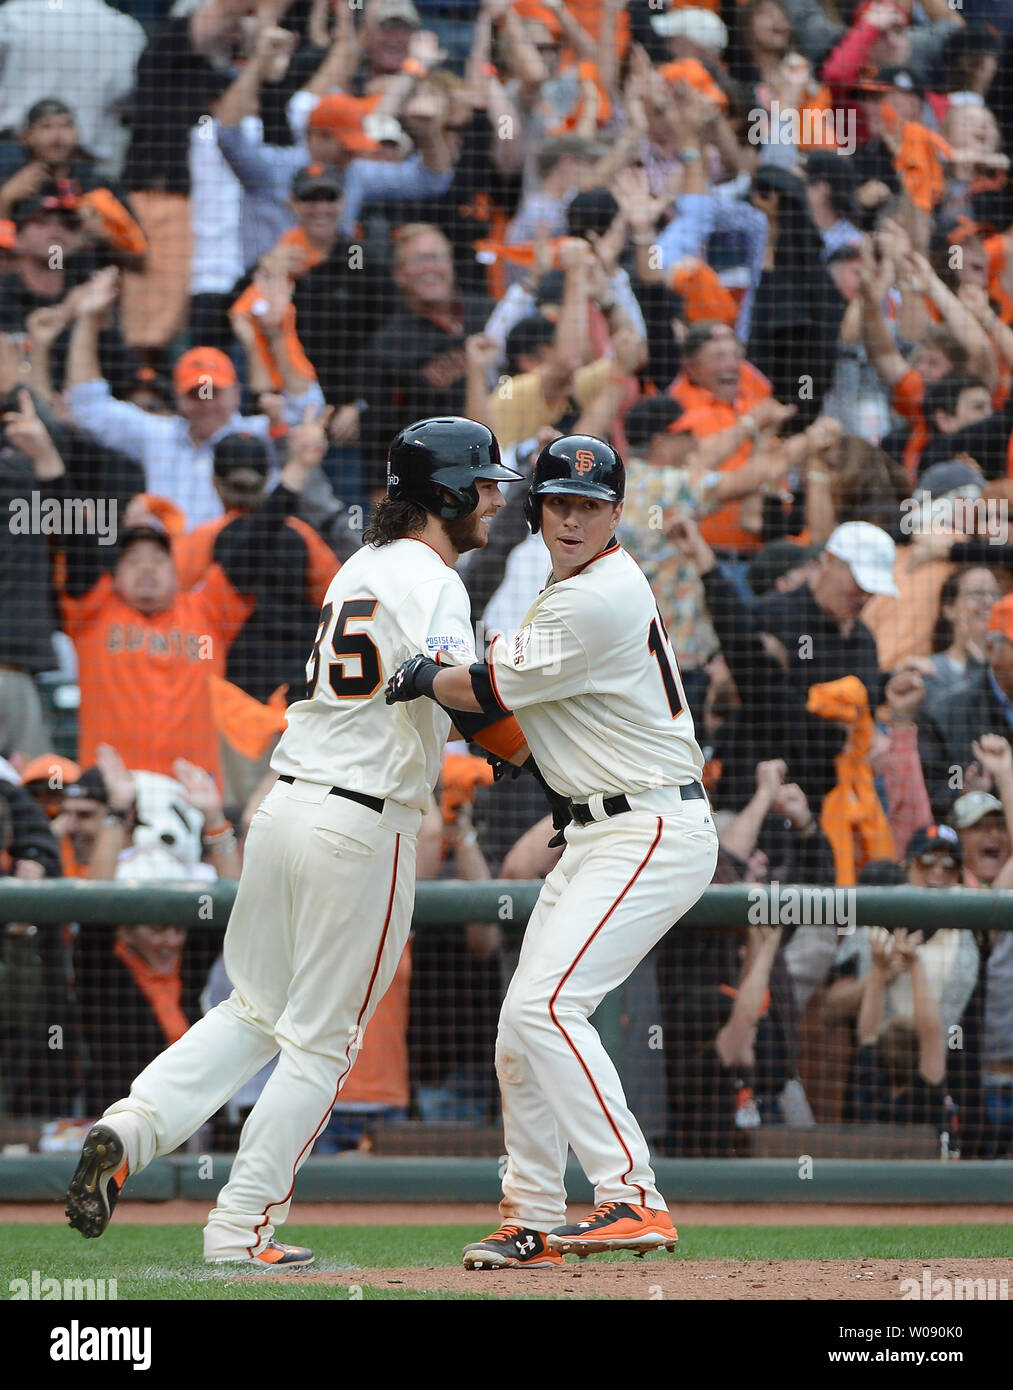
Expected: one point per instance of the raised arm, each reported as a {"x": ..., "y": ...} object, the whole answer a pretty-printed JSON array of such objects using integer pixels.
[{"x": 734, "y": 1039}]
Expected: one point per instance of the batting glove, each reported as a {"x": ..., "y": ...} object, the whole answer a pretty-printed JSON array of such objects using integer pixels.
[{"x": 412, "y": 678}]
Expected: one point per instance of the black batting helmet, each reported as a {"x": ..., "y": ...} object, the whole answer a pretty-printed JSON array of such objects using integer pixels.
[
  {"x": 577, "y": 463},
  {"x": 434, "y": 457}
]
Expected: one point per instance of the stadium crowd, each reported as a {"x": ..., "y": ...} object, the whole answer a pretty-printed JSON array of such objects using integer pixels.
[{"x": 764, "y": 248}]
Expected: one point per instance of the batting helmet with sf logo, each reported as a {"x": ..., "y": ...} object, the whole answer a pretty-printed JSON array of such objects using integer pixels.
[{"x": 577, "y": 463}]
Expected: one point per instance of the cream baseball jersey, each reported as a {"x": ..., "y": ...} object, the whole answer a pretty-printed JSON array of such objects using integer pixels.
[
  {"x": 384, "y": 605},
  {"x": 594, "y": 683}
]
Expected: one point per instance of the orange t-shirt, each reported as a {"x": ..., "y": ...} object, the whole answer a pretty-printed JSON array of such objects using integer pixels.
[
  {"x": 380, "y": 1073},
  {"x": 193, "y": 555},
  {"x": 144, "y": 686},
  {"x": 705, "y": 415},
  {"x": 995, "y": 249}
]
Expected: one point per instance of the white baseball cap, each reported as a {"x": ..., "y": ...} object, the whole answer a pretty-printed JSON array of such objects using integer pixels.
[
  {"x": 702, "y": 26},
  {"x": 869, "y": 553}
]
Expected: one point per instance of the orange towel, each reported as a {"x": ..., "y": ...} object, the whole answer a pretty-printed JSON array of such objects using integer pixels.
[
  {"x": 693, "y": 72},
  {"x": 852, "y": 818},
  {"x": 461, "y": 777}
]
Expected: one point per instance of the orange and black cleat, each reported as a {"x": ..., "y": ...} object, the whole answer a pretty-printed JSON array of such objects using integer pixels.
[
  {"x": 510, "y": 1248},
  {"x": 273, "y": 1255},
  {"x": 96, "y": 1184},
  {"x": 616, "y": 1226}
]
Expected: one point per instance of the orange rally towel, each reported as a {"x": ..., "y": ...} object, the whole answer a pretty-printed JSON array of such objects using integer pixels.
[
  {"x": 703, "y": 295},
  {"x": 244, "y": 723},
  {"x": 694, "y": 74},
  {"x": 461, "y": 777},
  {"x": 122, "y": 230},
  {"x": 852, "y": 818}
]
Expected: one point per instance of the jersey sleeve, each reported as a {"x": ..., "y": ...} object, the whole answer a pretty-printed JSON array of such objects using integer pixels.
[
  {"x": 546, "y": 659},
  {"x": 436, "y": 620}
]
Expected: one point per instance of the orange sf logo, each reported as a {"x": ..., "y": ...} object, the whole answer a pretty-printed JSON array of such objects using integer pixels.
[{"x": 584, "y": 461}]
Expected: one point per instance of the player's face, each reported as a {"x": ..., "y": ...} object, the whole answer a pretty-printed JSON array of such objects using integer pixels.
[
  {"x": 472, "y": 531},
  {"x": 576, "y": 529}
]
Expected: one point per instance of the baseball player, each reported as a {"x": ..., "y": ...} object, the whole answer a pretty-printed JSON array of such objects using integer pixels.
[
  {"x": 595, "y": 686},
  {"x": 324, "y": 904}
]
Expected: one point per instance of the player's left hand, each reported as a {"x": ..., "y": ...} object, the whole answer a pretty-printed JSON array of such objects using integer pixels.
[{"x": 412, "y": 678}]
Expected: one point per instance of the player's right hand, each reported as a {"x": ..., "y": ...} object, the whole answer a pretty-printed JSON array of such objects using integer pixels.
[{"x": 412, "y": 678}]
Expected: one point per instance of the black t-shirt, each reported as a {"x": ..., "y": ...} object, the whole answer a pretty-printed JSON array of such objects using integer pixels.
[
  {"x": 415, "y": 368},
  {"x": 338, "y": 309},
  {"x": 919, "y": 1103},
  {"x": 176, "y": 85}
]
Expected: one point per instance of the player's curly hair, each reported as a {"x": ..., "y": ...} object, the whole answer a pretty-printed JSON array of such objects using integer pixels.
[{"x": 394, "y": 519}]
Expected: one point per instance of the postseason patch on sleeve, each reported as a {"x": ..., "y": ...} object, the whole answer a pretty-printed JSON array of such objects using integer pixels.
[{"x": 455, "y": 646}]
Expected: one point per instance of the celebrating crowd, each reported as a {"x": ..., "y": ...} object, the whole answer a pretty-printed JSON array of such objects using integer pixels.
[{"x": 765, "y": 250}]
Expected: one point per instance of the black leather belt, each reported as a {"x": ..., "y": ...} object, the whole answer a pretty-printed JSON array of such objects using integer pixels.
[
  {"x": 616, "y": 805},
  {"x": 375, "y": 803}
]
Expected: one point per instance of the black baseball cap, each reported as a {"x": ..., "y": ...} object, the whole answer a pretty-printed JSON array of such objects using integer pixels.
[
  {"x": 150, "y": 530},
  {"x": 594, "y": 210},
  {"x": 900, "y": 79},
  {"x": 316, "y": 180},
  {"x": 148, "y": 379},
  {"x": 649, "y": 417},
  {"x": 48, "y": 106},
  {"x": 241, "y": 450},
  {"x": 89, "y": 785},
  {"x": 934, "y": 839},
  {"x": 61, "y": 198},
  {"x": 775, "y": 560}
]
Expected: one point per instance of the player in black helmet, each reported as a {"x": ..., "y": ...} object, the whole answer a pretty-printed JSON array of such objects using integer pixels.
[
  {"x": 577, "y": 463},
  {"x": 595, "y": 685},
  {"x": 324, "y": 904}
]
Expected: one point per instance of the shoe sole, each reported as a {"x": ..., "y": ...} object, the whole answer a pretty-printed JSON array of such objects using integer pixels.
[
  {"x": 88, "y": 1209},
  {"x": 640, "y": 1245},
  {"x": 498, "y": 1262}
]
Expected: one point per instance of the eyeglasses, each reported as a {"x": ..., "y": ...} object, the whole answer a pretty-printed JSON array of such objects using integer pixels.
[
  {"x": 944, "y": 861},
  {"x": 981, "y": 595}
]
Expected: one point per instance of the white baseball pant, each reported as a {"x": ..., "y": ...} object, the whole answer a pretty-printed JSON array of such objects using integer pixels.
[
  {"x": 619, "y": 887},
  {"x": 321, "y": 918}
]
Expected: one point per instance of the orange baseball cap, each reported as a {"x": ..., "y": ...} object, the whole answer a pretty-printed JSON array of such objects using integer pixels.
[
  {"x": 200, "y": 366},
  {"x": 1001, "y": 617},
  {"x": 343, "y": 116},
  {"x": 48, "y": 766}
]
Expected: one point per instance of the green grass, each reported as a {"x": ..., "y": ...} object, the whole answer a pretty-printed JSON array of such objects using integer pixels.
[{"x": 164, "y": 1262}]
